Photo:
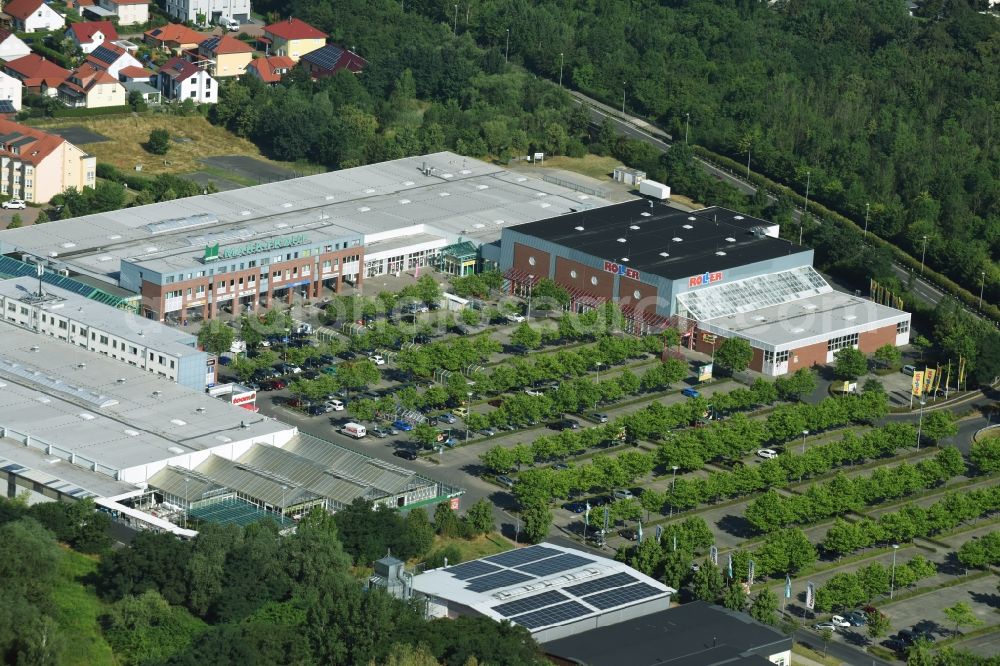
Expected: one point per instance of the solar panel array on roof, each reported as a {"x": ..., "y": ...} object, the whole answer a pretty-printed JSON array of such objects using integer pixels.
[
  {"x": 325, "y": 57},
  {"x": 7, "y": 106},
  {"x": 472, "y": 569},
  {"x": 14, "y": 268},
  {"x": 23, "y": 141},
  {"x": 552, "y": 615},
  {"x": 592, "y": 586},
  {"x": 7, "y": 137},
  {"x": 554, "y": 565},
  {"x": 494, "y": 581},
  {"x": 535, "y": 602},
  {"x": 104, "y": 54},
  {"x": 513, "y": 558},
  {"x": 621, "y": 596}
]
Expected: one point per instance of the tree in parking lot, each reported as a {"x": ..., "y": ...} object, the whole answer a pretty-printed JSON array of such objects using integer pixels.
[
  {"x": 734, "y": 354},
  {"x": 734, "y": 597},
  {"x": 426, "y": 435},
  {"x": 849, "y": 363},
  {"x": 480, "y": 517},
  {"x": 939, "y": 425},
  {"x": 765, "y": 607},
  {"x": 216, "y": 337},
  {"x": 358, "y": 375},
  {"x": 707, "y": 582},
  {"x": 878, "y": 624},
  {"x": 470, "y": 317},
  {"x": 526, "y": 336},
  {"x": 986, "y": 455},
  {"x": 962, "y": 615},
  {"x": 362, "y": 410},
  {"x": 888, "y": 355},
  {"x": 427, "y": 289},
  {"x": 537, "y": 519}
]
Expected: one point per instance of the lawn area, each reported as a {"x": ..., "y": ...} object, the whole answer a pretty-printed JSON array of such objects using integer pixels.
[
  {"x": 78, "y": 614},
  {"x": 594, "y": 166},
  {"x": 126, "y": 135},
  {"x": 471, "y": 549},
  {"x": 813, "y": 655}
]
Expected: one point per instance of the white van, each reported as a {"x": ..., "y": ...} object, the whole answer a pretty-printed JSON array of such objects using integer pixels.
[
  {"x": 335, "y": 405},
  {"x": 355, "y": 430},
  {"x": 229, "y": 23}
]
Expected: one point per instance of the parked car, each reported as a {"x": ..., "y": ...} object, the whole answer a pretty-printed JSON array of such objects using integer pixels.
[
  {"x": 857, "y": 619},
  {"x": 447, "y": 418},
  {"x": 335, "y": 405},
  {"x": 824, "y": 626},
  {"x": 405, "y": 454},
  {"x": 506, "y": 480},
  {"x": 600, "y": 418},
  {"x": 405, "y": 426},
  {"x": 840, "y": 621},
  {"x": 316, "y": 410},
  {"x": 560, "y": 466},
  {"x": 629, "y": 534},
  {"x": 575, "y": 507},
  {"x": 565, "y": 424},
  {"x": 908, "y": 370},
  {"x": 347, "y": 355},
  {"x": 273, "y": 385},
  {"x": 535, "y": 392},
  {"x": 516, "y": 318},
  {"x": 14, "y": 203},
  {"x": 767, "y": 454},
  {"x": 379, "y": 432},
  {"x": 622, "y": 494},
  {"x": 459, "y": 411},
  {"x": 487, "y": 432},
  {"x": 377, "y": 359},
  {"x": 690, "y": 392}
]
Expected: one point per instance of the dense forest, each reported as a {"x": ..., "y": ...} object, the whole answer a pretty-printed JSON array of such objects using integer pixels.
[
  {"x": 859, "y": 99},
  {"x": 233, "y": 595}
]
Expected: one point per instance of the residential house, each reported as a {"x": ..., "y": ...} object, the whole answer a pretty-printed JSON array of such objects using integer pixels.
[
  {"x": 293, "y": 38},
  {"x": 129, "y": 12},
  {"x": 88, "y": 35},
  {"x": 208, "y": 11},
  {"x": 142, "y": 81},
  {"x": 331, "y": 59},
  {"x": 228, "y": 55},
  {"x": 32, "y": 15},
  {"x": 112, "y": 59},
  {"x": 135, "y": 75},
  {"x": 174, "y": 37},
  {"x": 270, "y": 69},
  {"x": 10, "y": 94},
  {"x": 38, "y": 75},
  {"x": 91, "y": 87},
  {"x": 180, "y": 79},
  {"x": 11, "y": 46},
  {"x": 36, "y": 166}
]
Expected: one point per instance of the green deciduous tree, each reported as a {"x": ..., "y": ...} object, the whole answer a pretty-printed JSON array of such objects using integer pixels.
[
  {"x": 888, "y": 356},
  {"x": 215, "y": 337},
  {"x": 765, "y": 607},
  {"x": 849, "y": 363},
  {"x": 734, "y": 354},
  {"x": 734, "y": 598},
  {"x": 986, "y": 454},
  {"x": 939, "y": 424},
  {"x": 962, "y": 615},
  {"x": 480, "y": 517},
  {"x": 707, "y": 582},
  {"x": 527, "y": 336},
  {"x": 159, "y": 142}
]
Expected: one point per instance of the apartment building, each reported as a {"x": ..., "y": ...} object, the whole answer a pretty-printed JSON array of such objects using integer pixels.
[{"x": 36, "y": 166}]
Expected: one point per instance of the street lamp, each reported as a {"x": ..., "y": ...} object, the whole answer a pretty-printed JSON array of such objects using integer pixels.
[
  {"x": 920, "y": 423},
  {"x": 867, "y": 209},
  {"x": 892, "y": 582},
  {"x": 982, "y": 285},
  {"x": 623, "y": 97},
  {"x": 469, "y": 403},
  {"x": 560, "y": 69},
  {"x": 506, "y": 53},
  {"x": 673, "y": 482},
  {"x": 531, "y": 283},
  {"x": 923, "y": 252},
  {"x": 802, "y": 218},
  {"x": 187, "y": 502},
  {"x": 748, "y": 161},
  {"x": 283, "y": 489},
  {"x": 687, "y": 127},
  {"x": 597, "y": 366},
  {"x": 804, "y": 433},
  {"x": 454, "y": 29}
]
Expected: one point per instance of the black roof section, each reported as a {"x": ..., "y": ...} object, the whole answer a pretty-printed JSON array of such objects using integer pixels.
[
  {"x": 693, "y": 634},
  {"x": 643, "y": 230}
]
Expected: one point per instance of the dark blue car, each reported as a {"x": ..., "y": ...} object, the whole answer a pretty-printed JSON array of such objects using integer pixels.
[{"x": 404, "y": 426}]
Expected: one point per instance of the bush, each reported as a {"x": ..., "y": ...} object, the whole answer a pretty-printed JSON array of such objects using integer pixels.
[{"x": 159, "y": 142}]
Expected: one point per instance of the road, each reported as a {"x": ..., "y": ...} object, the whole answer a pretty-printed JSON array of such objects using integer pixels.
[
  {"x": 840, "y": 651},
  {"x": 638, "y": 129}
]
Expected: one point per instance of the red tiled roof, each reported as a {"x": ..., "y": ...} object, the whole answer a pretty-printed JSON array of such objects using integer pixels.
[
  {"x": 129, "y": 2},
  {"x": 33, "y": 70},
  {"x": 87, "y": 76},
  {"x": 179, "y": 69},
  {"x": 22, "y": 9},
  {"x": 294, "y": 28},
  {"x": 4, "y": 34},
  {"x": 135, "y": 72},
  {"x": 175, "y": 32},
  {"x": 35, "y": 152},
  {"x": 267, "y": 68},
  {"x": 225, "y": 44},
  {"x": 85, "y": 31}
]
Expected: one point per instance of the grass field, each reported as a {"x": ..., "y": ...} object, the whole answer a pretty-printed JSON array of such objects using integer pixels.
[
  {"x": 127, "y": 134},
  {"x": 79, "y": 613},
  {"x": 594, "y": 166},
  {"x": 471, "y": 549}
]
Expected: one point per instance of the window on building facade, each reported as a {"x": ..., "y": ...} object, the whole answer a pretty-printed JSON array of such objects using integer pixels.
[
  {"x": 902, "y": 327},
  {"x": 836, "y": 344}
]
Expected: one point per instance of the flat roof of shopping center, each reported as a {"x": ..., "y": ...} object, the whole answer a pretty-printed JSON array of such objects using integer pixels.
[{"x": 442, "y": 193}]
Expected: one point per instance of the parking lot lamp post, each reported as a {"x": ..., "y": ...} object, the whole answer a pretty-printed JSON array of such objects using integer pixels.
[
  {"x": 469, "y": 413},
  {"x": 804, "y": 433},
  {"x": 923, "y": 253},
  {"x": 560, "y": 69},
  {"x": 531, "y": 283},
  {"x": 920, "y": 422},
  {"x": 283, "y": 489},
  {"x": 982, "y": 286},
  {"x": 187, "y": 502},
  {"x": 687, "y": 126},
  {"x": 673, "y": 482},
  {"x": 506, "y": 53},
  {"x": 867, "y": 210},
  {"x": 892, "y": 581}
]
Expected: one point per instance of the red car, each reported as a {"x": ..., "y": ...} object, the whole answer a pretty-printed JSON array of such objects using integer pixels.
[{"x": 273, "y": 385}]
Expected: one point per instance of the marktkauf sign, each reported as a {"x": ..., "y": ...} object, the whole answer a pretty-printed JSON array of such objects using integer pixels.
[
  {"x": 213, "y": 253},
  {"x": 705, "y": 278},
  {"x": 621, "y": 269}
]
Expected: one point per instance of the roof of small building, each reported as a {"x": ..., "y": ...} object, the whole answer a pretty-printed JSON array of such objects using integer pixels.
[
  {"x": 222, "y": 44},
  {"x": 333, "y": 58},
  {"x": 85, "y": 30},
  {"x": 135, "y": 72},
  {"x": 179, "y": 69},
  {"x": 87, "y": 76},
  {"x": 693, "y": 634},
  {"x": 106, "y": 55},
  {"x": 293, "y": 28},
  {"x": 269, "y": 69},
  {"x": 22, "y": 9}
]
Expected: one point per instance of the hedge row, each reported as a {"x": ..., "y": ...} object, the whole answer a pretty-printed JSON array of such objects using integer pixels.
[
  {"x": 943, "y": 282},
  {"x": 83, "y": 112}
]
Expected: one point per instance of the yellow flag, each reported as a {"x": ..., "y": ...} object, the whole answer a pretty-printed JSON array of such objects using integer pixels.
[
  {"x": 961, "y": 372},
  {"x": 937, "y": 377},
  {"x": 947, "y": 379},
  {"x": 917, "y": 388},
  {"x": 929, "y": 374}
]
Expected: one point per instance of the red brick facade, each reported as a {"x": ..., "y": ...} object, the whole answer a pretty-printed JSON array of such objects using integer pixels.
[
  {"x": 585, "y": 276},
  {"x": 522, "y": 261},
  {"x": 872, "y": 340},
  {"x": 807, "y": 357}
]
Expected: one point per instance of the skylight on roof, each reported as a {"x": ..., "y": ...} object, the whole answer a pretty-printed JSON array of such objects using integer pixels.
[
  {"x": 677, "y": 239},
  {"x": 692, "y": 218},
  {"x": 281, "y": 225},
  {"x": 444, "y": 194},
  {"x": 329, "y": 197},
  {"x": 545, "y": 204},
  {"x": 688, "y": 226},
  {"x": 521, "y": 179},
  {"x": 287, "y": 204},
  {"x": 738, "y": 217},
  {"x": 67, "y": 245},
  {"x": 635, "y": 227},
  {"x": 578, "y": 228},
  {"x": 625, "y": 259},
  {"x": 447, "y": 175},
  {"x": 730, "y": 239},
  {"x": 407, "y": 183},
  {"x": 720, "y": 253},
  {"x": 151, "y": 249},
  {"x": 646, "y": 214},
  {"x": 621, "y": 240},
  {"x": 364, "y": 209},
  {"x": 370, "y": 190},
  {"x": 664, "y": 254},
  {"x": 482, "y": 187},
  {"x": 404, "y": 201},
  {"x": 114, "y": 237}
]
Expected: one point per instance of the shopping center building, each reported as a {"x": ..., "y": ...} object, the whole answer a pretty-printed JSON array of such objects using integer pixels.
[
  {"x": 711, "y": 273},
  {"x": 310, "y": 236}
]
